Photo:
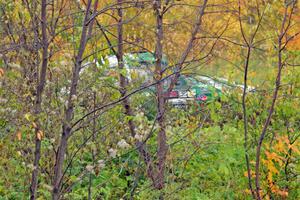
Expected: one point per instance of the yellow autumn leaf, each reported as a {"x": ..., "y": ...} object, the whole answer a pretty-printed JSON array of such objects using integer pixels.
[
  {"x": 247, "y": 191},
  {"x": 280, "y": 147},
  {"x": 134, "y": 75},
  {"x": 252, "y": 162},
  {"x": 252, "y": 173},
  {"x": 270, "y": 178},
  {"x": 1, "y": 72},
  {"x": 282, "y": 193},
  {"x": 39, "y": 135},
  {"x": 286, "y": 140},
  {"x": 19, "y": 135},
  {"x": 295, "y": 148},
  {"x": 34, "y": 125},
  {"x": 27, "y": 116},
  {"x": 274, "y": 156},
  {"x": 272, "y": 168}
]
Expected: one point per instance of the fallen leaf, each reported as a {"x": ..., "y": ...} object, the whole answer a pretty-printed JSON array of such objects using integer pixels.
[
  {"x": 1, "y": 72},
  {"x": 19, "y": 135},
  {"x": 39, "y": 135},
  {"x": 34, "y": 125}
]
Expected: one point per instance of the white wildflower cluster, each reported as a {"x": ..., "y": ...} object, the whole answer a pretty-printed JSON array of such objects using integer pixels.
[
  {"x": 48, "y": 187},
  {"x": 139, "y": 137},
  {"x": 142, "y": 130},
  {"x": 112, "y": 152},
  {"x": 90, "y": 168},
  {"x": 52, "y": 112},
  {"x": 30, "y": 166},
  {"x": 140, "y": 127},
  {"x": 63, "y": 91},
  {"x": 101, "y": 164},
  {"x": 156, "y": 126},
  {"x": 62, "y": 95},
  {"x": 123, "y": 144},
  {"x": 64, "y": 63},
  {"x": 74, "y": 98},
  {"x": 2, "y": 100},
  {"x": 142, "y": 117},
  {"x": 140, "y": 114},
  {"x": 6, "y": 110}
]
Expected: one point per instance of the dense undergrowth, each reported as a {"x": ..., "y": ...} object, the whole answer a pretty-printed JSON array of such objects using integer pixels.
[{"x": 205, "y": 160}]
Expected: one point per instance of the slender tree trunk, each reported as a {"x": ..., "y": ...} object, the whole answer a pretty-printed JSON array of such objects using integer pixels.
[
  {"x": 58, "y": 170},
  {"x": 267, "y": 122},
  {"x": 246, "y": 121},
  {"x": 123, "y": 80},
  {"x": 126, "y": 102},
  {"x": 38, "y": 102},
  {"x": 35, "y": 172},
  {"x": 249, "y": 45},
  {"x": 161, "y": 138},
  {"x": 285, "y": 25},
  {"x": 263, "y": 133}
]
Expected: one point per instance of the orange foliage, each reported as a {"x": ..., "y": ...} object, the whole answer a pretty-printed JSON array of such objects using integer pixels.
[
  {"x": 294, "y": 44},
  {"x": 274, "y": 161}
]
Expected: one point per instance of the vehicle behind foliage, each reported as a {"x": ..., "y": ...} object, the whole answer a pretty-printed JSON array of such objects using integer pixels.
[{"x": 189, "y": 89}]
